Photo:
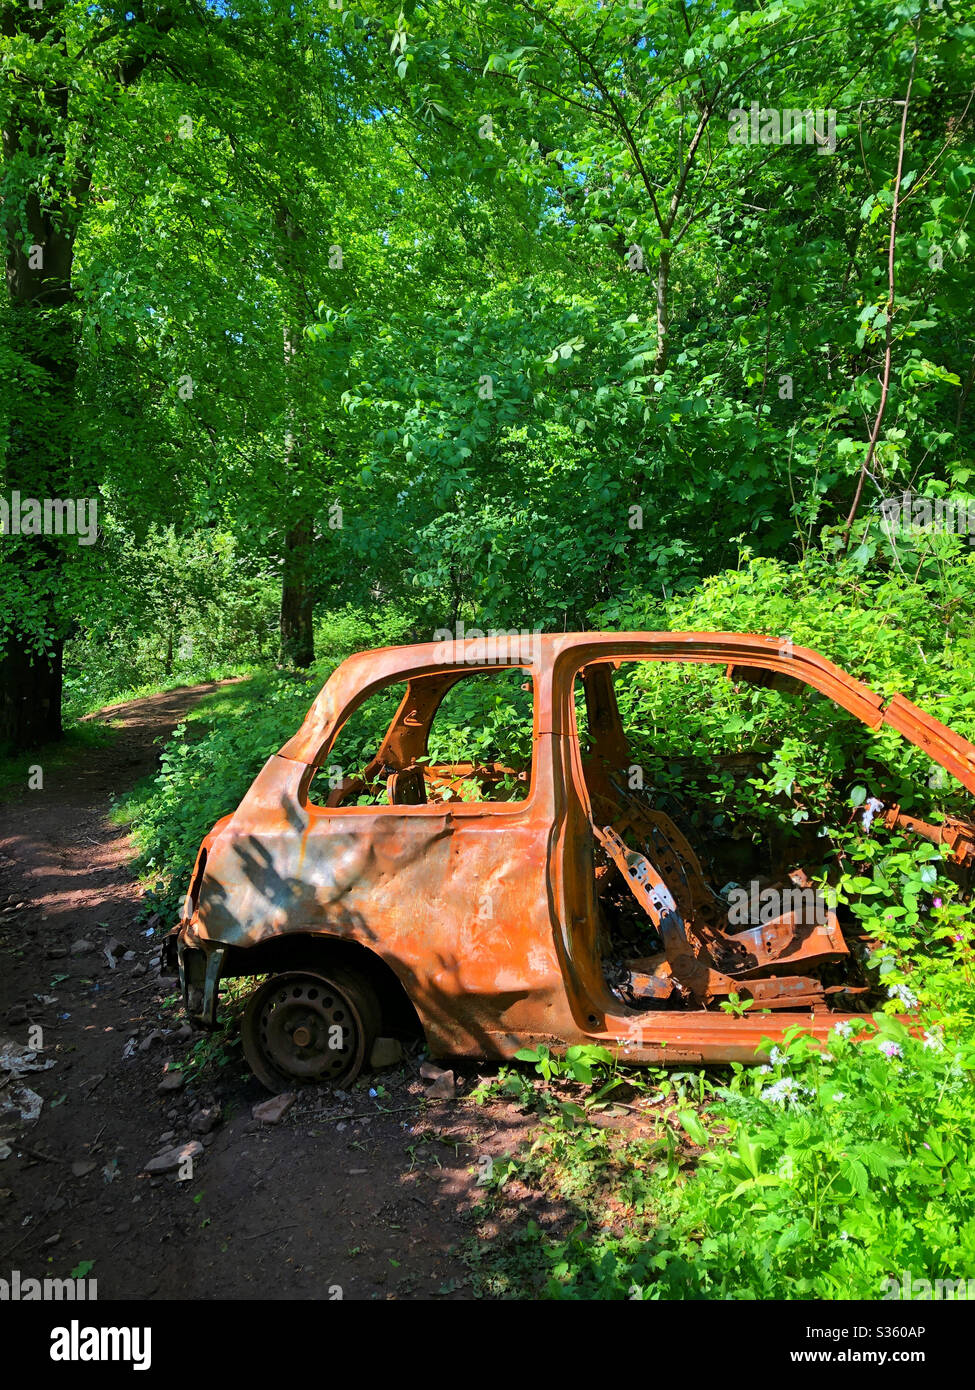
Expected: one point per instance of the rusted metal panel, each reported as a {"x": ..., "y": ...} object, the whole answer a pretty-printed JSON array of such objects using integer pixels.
[
  {"x": 957, "y": 836},
  {"x": 489, "y": 913}
]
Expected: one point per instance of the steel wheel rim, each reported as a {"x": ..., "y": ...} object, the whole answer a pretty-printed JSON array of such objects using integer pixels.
[{"x": 306, "y": 1030}]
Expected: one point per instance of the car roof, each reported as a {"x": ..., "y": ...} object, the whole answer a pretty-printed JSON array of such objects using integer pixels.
[{"x": 359, "y": 675}]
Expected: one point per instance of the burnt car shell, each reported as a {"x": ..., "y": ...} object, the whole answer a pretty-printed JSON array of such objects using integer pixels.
[{"x": 392, "y": 895}]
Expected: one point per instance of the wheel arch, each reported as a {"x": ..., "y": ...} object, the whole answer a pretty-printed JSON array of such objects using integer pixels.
[{"x": 309, "y": 949}]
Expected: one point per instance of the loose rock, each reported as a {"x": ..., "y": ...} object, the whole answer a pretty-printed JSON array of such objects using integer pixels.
[
  {"x": 386, "y": 1052},
  {"x": 273, "y": 1110},
  {"x": 172, "y": 1160},
  {"x": 205, "y": 1119},
  {"x": 444, "y": 1088}
]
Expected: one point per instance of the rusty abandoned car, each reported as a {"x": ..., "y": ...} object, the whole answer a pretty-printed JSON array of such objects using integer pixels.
[{"x": 503, "y": 904}]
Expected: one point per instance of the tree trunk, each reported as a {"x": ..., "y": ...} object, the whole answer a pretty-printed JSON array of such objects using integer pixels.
[
  {"x": 30, "y": 695},
  {"x": 297, "y": 600},
  {"x": 663, "y": 312},
  {"x": 39, "y": 242},
  {"x": 48, "y": 155}
]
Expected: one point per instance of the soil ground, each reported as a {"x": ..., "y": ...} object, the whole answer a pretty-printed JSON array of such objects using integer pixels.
[{"x": 318, "y": 1206}]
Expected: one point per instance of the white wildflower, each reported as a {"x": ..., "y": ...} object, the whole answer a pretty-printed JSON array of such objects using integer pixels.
[
  {"x": 906, "y": 996},
  {"x": 786, "y": 1091}
]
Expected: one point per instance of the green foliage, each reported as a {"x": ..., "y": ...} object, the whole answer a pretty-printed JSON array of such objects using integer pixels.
[
  {"x": 817, "y": 1174},
  {"x": 580, "y": 1062},
  {"x": 482, "y": 380},
  {"x": 169, "y": 610},
  {"x": 735, "y": 755}
]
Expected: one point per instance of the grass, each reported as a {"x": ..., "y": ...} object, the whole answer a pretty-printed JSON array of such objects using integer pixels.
[
  {"x": 80, "y": 708},
  {"x": 82, "y": 734},
  {"x": 17, "y": 771}
]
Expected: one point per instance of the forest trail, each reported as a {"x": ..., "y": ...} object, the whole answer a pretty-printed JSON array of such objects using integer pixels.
[{"x": 315, "y": 1207}]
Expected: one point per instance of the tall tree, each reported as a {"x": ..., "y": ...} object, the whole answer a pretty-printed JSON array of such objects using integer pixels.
[{"x": 60, "y": 74}]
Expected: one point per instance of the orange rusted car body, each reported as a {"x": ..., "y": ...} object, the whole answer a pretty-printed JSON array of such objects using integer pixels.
[{"x": 406, "y": 883}]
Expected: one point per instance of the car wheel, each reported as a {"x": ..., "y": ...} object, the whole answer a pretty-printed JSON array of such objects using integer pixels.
[{"x": 306, "y": 1027}]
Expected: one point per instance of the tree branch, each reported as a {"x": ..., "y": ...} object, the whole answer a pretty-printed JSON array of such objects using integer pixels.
[{"x": 889, "y": 327}]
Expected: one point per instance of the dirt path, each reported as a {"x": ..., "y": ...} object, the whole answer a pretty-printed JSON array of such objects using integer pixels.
[{"x": 318, "y": 1206}]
